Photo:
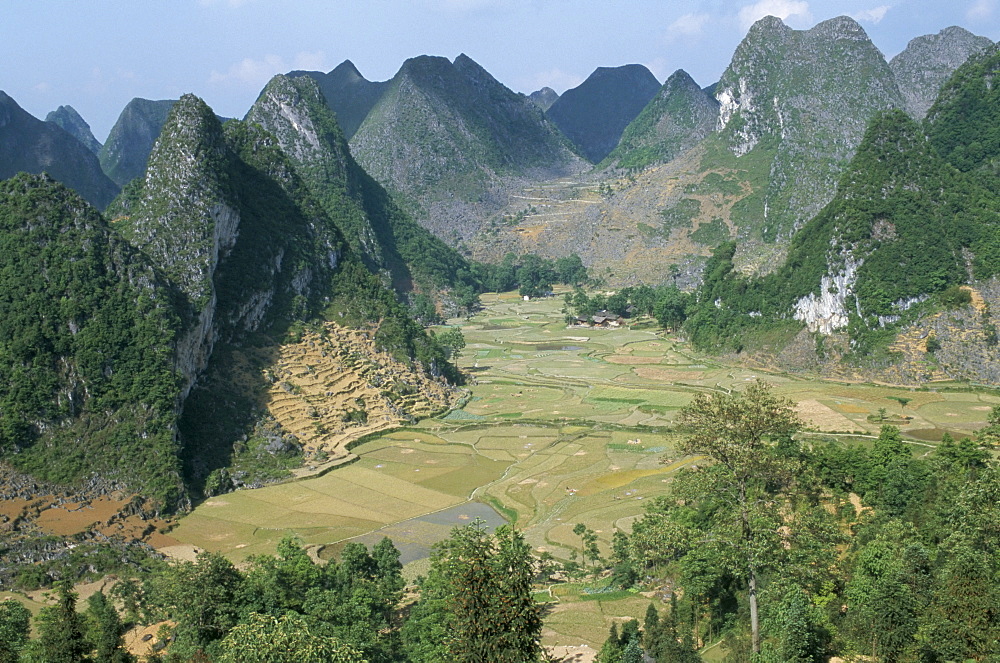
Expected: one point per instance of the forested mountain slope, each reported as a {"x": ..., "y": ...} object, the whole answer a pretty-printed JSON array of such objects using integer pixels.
[{"x": 87, "y": 362}]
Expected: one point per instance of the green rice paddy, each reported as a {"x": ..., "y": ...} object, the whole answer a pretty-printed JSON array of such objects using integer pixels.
[{"x": 564, "y": 425}]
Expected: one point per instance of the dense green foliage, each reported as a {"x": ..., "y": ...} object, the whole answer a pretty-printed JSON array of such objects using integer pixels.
[
  {"x": 476, "y": 605},
  {"x": 529, "y": 274},
  {"x": 917, "y": 577},
  {"x": 87, "y": 358},
  {"x": 666, "y": 303}
]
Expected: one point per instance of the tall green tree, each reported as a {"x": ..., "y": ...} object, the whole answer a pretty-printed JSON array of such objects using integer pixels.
[
  {"x": 737, "y": 431},
  {"x": 61, "y": 637},
  {"x": 202, "y": 597},
  {"x": 476, "y": 605},
  {"x": 15, "y": 625},
  {"x": 106, "y": 631}
]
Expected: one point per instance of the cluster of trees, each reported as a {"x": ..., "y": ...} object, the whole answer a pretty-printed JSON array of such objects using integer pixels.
[
  {"x": 475, "y": 606},
  {"x": 789, "y": 552},
  {"x": 771, "y": 553},
  {"x": 530, "y": 274},
  {"x": 666, "y": 303}
]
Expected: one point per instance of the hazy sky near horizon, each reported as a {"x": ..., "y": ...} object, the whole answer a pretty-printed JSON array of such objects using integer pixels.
[{"x": 96, "y": 55}]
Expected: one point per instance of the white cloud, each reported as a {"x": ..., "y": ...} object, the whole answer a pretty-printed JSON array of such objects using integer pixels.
[
  {"x": 783, "y": 9},
  {"x": 557, "y": 79},
  {"x": 687, "y": 25},
  {"x": 41, "y": 87},
  {"x": 981, "y": 9},
  {"x": 254, "y": 73},
  {"x": 873, "y": 15}
]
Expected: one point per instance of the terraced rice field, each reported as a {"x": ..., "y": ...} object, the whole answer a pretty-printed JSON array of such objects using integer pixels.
[{"x": 561, "y": 426}]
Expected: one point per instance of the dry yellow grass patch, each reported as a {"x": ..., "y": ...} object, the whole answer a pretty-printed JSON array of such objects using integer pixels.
[
  {"x": 317, "y": 383},
  {"x": 667, "y": 374},
  {"x": 629, "y": 360},
  {"x": 822, "y": 417}
]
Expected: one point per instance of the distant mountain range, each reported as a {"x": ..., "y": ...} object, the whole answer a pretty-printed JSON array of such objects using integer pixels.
[
  {"x": 67, "y": 118},
  {"x": 449, "y": 140},
  {"x": 27, "y": 144},
  {"x": 594, "y": 114}
]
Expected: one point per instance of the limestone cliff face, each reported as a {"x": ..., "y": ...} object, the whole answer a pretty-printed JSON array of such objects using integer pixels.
[
  {"x": 226, "y": 218},
  {"x": 388, "y": 240},
  {"x": 826, "y": 311},
  {"x": 183, "y": 219},
  {"x": 927, "y": 63},
  {"x": 294, "y": 110},
  {"x": 802, "y": 100}
]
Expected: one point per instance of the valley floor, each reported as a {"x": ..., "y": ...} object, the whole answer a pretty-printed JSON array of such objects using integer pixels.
[{"x": 561, "y": 426}]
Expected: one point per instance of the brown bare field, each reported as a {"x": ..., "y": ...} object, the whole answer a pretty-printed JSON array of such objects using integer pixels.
[{"x": 822, "y": 417}]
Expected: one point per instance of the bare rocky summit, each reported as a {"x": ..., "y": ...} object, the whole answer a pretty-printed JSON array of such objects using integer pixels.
[{"x": 929, "y": 61}]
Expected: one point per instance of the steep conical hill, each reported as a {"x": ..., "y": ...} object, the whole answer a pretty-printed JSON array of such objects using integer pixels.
[
  {"x": 928, "y": 62},
  {"x": 29, "y": 145},
  {"x": 71, "y": 122},
  {"x": 799, "y": 100},
  {"x": 450, "y": 139},
  {"x": 89, "y": 392},
  {"x": 678, "y": 118},
  {"x": 349, "y": 94},
  {"x": 594, "y": 114},
  {"x": 125, "y": 152},
  {"x": 387, "y": 238}
]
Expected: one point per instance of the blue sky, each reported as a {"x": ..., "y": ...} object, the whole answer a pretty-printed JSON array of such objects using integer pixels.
[{"x": 96, "y": 55}]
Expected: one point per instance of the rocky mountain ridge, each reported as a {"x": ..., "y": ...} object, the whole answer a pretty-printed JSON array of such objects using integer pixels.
[
  {"x": 385, "y": 237},
  {"x": 594, "y": 114},
  {"x": 449, "y": 139},
  {"x": 67, "y": 118},
  {"x": 679, "y": 117},
  {"x": 29, "y": 145},
  {"x": 927, "y": 63},
  {"x": 126, "y": 150},
  {"x": 349, "y": 94}
]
